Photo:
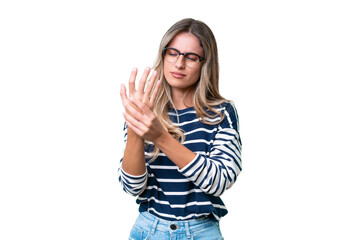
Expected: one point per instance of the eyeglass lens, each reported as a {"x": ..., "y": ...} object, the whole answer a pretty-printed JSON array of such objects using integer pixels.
[{"x": 172, "y": 55}]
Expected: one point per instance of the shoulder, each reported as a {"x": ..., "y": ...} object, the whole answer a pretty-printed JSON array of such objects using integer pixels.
[
  {"x": 230, "y": 115},
  {"x": 227, "y": 108}
]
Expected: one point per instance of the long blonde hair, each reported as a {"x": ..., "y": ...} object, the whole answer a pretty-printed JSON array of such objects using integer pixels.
[{"x": 206, "y": 95}]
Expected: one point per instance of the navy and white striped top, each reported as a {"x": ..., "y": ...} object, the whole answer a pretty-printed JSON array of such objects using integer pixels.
[{"x": 177, "y": 194}]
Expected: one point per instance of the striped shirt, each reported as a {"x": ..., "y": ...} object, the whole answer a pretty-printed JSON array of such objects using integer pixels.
[{"x": 194, "y": 191}]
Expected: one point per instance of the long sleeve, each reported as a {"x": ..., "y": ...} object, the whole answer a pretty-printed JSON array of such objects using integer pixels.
[
  {"x": 193, "y": 191},
  {"x": 218, "y": 171},
  {"x": 133, "y": 185}
]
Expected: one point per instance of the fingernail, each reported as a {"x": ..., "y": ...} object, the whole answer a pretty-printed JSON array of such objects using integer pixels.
[
  {"x": 134, "y": 69},
  {"x": 147, "y": 68}
]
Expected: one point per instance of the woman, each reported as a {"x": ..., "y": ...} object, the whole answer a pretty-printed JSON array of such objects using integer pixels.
[{"x": 183, "y": 149}]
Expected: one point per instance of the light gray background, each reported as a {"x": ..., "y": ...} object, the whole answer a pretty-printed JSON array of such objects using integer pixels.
[{"x": 291, "y": 67}]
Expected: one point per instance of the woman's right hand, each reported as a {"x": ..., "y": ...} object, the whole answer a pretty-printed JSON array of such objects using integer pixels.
[{"x": 146, "y": 96}]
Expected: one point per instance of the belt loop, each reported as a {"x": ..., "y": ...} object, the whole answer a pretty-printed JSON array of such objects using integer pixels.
[
  {"x": 187, "y": 229},
  {"x": 154, "y": 226}
]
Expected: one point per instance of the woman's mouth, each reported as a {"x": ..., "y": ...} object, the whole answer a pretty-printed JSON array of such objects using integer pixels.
[{"x": 177, "y": 75}]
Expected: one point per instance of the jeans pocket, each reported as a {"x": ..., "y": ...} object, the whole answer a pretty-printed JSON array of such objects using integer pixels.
[{"x": 136, "y": 233}]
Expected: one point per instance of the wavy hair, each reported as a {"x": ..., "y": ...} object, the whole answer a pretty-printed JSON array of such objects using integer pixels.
[{"x": 206, "y": 95}]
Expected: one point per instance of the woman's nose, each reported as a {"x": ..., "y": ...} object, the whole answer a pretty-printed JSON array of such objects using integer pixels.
[{"x": 180, "y": 62}]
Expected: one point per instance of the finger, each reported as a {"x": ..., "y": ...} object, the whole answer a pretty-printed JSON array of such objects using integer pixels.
[
  {"x": 131, "y": 109},
  {"x": 145, "y": 109},
  {"x": 135, "y": 125},
  {"x": 149, "y": 87},
  {"x": 143, "y": 81},
  {"x": 123, "y": 94},
  {"x": 134, "y": 129},
  {"x": 132, "y": 82},
  {"x": 125, "y": 100},
  {"x": 154, "y": 93}
]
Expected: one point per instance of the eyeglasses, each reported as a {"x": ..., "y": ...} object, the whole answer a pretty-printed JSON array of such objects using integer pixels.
[{"x": 172, "y": 54}]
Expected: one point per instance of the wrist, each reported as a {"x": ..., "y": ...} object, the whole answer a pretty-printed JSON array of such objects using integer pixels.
[
  {"x": 132, "y": 135},
  {"x": 161, "y": 139}
]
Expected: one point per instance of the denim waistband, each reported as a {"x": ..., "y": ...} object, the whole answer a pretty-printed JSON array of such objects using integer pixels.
[{"x": 189, "y": 226}]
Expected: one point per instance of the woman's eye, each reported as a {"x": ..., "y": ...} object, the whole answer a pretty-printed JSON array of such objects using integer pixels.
[
  {"x": 172, "y": 52},
  {"x": 192, "y": 57}
]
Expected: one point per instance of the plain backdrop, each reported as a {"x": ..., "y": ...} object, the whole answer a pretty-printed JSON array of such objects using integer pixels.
[{"x": 291, "y": 67}]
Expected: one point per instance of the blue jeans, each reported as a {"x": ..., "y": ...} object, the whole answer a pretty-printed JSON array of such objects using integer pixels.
[{"x": 149, "y": 227}]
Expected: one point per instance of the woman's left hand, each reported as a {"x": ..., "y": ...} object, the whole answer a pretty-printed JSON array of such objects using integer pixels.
[
  {"x": 146, "y": 95},
  {"x": 138, "y": 107},
  {"x": 145, "y": 124}
]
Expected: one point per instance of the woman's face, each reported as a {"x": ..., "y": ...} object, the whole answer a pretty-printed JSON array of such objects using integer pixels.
[{"x": 177, "y": 74}]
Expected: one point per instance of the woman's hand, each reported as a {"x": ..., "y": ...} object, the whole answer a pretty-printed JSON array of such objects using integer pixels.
[
  {"x": 139, "y": 116},
  {"x": 144, "y": 122},
  {"x": 147, "y": 96}
]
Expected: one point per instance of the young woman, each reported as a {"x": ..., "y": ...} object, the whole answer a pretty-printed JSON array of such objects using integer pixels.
[{"x": 183, "y": 149}]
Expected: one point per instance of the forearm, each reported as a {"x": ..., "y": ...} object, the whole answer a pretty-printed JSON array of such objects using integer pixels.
[
  {"x": 174, "y": 150},
  {"x": 212, "y": 174},
  {"x": 203, "y": 172},
  {"x": 134, "y": 157}
]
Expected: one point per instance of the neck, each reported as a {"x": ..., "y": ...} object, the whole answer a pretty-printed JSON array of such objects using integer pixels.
[{"x": 183, "y": 98}]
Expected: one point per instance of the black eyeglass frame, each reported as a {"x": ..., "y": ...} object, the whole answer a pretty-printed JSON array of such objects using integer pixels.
[{"x": 180, "y": 53}]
